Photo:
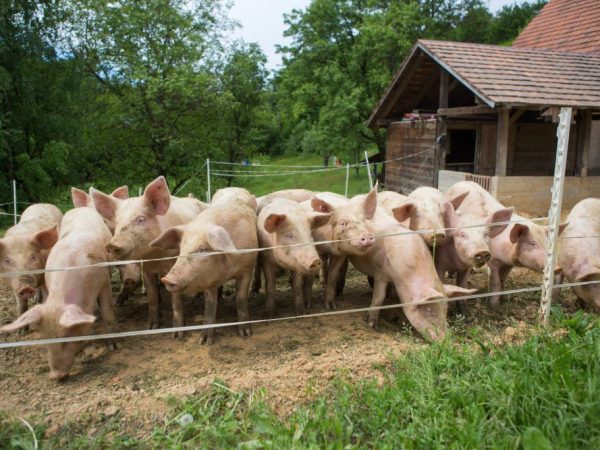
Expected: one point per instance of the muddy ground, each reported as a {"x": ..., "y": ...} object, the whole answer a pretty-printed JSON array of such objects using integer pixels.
[{"x": 293, "y": 360}]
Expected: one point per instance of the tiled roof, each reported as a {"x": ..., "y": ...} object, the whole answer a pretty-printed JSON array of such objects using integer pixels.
[
  {"x": 564, "y": 25},
  {"x": 503, "y": 76}
]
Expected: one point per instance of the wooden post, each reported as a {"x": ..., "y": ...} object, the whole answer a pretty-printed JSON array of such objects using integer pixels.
[
  {"x": 15, "y": 201},
  {"x": 584, "y": 138},
  {"x": 442, "y": 128},
  {"x": 208, "y": 193},
  {"x": 369, "y": 170},
  {"x": 562, "y": 148},
  {"x": 502, "y": 142},
  {"x": 347, "y": 178}
]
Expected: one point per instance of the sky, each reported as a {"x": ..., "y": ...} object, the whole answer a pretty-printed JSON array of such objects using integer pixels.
[{"x": 262, "y": 22}]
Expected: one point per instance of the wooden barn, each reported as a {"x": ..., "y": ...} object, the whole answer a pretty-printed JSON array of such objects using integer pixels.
[{"x": 489, "y": 113}]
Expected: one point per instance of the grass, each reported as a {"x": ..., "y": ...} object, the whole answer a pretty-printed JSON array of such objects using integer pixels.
[
  {"x": 544, "y": 393},
  {"x": 333, "y": 180}
]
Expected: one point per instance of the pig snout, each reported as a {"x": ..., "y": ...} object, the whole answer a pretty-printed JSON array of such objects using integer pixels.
[
  {"x": 26, "y": 293},
  {"x": 172, "y": 285},
  {"x": 482, "y": 258},
  {"x": 58, "y": 375},
  {"x": 114, "y": 251},
  {"x": 313, "y": 265},
  {"x": 129, "y": 284},
  {"x": 365, "y": 241}
]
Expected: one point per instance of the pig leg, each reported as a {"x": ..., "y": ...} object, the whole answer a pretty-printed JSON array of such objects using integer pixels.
[
  {"x": 22, "y": 307},
  {"x": 269, "y": 270},
  {"x": 495, "y": 282},
  {"x": 308, "y": 285},
  {"x": 151, "y": 283},
  {"x": 242, "y": 286},
  {"x": 210, "y": 315},
  {"x": 504, "y": 272},
  {"x": 178, "y": 318},
  {"x": 108, "y": 315},
  {"x": 556, "y": 292},
  {"x": 122, "y": 297},
  {"x": 323, "y": 271},
  {"x": 379, "y": 293},
  {"x": 257, "y": 279},
  {"x": 339, "y": 288},
  {"x": 462, "y": 277},
  {"x": 335, "y": 264},
  {"x": 298, "y": 289}
]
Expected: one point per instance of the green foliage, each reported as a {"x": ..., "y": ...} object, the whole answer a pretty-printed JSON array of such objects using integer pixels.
[{"x": 544, "y": 393}]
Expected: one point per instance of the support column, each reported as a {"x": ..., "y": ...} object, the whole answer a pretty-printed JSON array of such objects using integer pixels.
[
  {"x": 584, "y": 139},
  {"x": 441, "y": 137},
  {"x": 502, "y": 142}
]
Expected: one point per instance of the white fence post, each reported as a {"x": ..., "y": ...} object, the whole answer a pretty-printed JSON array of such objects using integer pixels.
[
  {"x": 15, "y": 200},
  {"x": 208, "y": 195},
  {"x": 562, "y": 149},
  {"x": 369, "y": 170},
  {"x": 140, "y": 192},
  {"x": 347, "y": 178}
]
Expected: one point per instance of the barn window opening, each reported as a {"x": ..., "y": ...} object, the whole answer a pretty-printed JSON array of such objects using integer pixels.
[{"x": 460, "y": 156}]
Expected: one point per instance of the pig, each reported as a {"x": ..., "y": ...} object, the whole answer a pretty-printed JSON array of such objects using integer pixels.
[
  {"x": 297, "y": 195},
  {"x": 130, "y": 273},
  {"x": 422, "y": 210},
  {"x": 469, "y": 247},
  {"x": 140, "y": 220},
  {"x": 346, "y": 224},
  {"x": 401, "y": 260},
  {"x": 579, "y": 252},
  {"x": 73, "y": 294},
  {"x": 25, "y": 247},
  {"x": 284, "y": 222},
  {"x": 227, "y": 225}
]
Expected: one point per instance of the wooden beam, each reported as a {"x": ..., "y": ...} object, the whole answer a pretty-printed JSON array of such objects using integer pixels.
[
  {"x": 502, "y": 142},
  {"x": 584, "y": 140},
  {"x": 466, "y": 110},
  {"x": 441, "y": 137},
  {"x": 516, "y": 116}
]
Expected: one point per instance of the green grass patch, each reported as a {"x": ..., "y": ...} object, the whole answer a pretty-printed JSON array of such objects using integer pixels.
[
  {"x": 544, "y": 393},
  {"x": 333, "y": 180}
]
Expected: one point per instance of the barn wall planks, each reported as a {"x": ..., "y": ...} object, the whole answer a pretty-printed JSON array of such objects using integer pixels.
[{"x": 407, "y": 138}]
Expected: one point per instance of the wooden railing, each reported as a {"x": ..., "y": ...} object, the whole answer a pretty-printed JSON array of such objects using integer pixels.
[{"x": 483, "y": 180}]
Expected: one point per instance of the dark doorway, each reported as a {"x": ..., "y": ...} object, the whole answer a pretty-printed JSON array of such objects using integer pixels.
[{"x": 461, "y": 150}]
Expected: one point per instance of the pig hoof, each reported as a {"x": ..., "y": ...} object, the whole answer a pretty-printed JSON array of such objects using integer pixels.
[
  {"x": 372, "y": 324},
  {"x": 208, "y": 340},
  {"x": 23, "y": 331},
  {"x": 152, "y": 325},
  {"x": 245, "y": 331},
  {"x": 178, "y": 335},
  {"x": 114, "y": 345}
]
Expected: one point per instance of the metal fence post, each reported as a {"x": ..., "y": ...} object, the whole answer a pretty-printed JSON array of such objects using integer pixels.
[
  {"x": 347, "y": 178},
  {"x": 562, "y": 149},
  {"x": 369, "y": 170},
  {"x": 208, "y": 194},
  {"x": 15, "y": 200}
]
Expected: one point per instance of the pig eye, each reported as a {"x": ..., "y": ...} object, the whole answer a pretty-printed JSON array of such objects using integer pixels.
[
  {"x": 342, "y": 224},
  {"x": 532, "y": 243},
  {"x": 7, "y": 261},
  {"x": 33, "y": 257},
  {"x": 140, "y": 220},
  {"x": 289, "y": 236}
]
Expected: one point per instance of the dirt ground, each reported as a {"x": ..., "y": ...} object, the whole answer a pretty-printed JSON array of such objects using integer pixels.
[{"x": 293, "y": 360}]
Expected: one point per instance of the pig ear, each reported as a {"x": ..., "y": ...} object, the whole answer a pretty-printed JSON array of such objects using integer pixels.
[
  {"x": 450, "y": 216},
  {"x": 457, "y": 200},
  {"x": 170, "y": 239},
  {"x": 73, "y": 315},
  {"x": 104, "y": 204},
  {"x": 158, "y": 196},
  {"x": 456, "y": 291},
  {"x": 370, "y": 203},
  {"x": 502, "y": 215},
  {"x": 274, "y": 221},
  {"x": 403, "y": 212},
  {"x": 321, "y": 205},
  {"x": 80, "y": 198},
  {"x": 562, "y": 227},
  {"x": 318, "y": 220},
  {"x": 122, "y": 193},
  {"x": 46, "y": 239},
  {"x": 32, "y": 316},
  {"x": 220, "y": 240},
  {"x": 518, "y": 230}
]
